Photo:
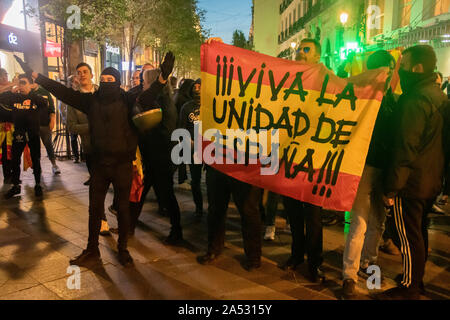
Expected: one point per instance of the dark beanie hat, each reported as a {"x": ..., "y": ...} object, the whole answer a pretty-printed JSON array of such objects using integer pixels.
[{"x": 110, "y": 71}]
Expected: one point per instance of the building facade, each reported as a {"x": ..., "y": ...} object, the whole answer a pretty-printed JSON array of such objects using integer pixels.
[
  {"x": 344, "y": 27},
  {"x": 19, "y": 35}
]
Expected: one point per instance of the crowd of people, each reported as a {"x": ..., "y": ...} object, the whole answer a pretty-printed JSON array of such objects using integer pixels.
[{"x": 405, "y": 169}]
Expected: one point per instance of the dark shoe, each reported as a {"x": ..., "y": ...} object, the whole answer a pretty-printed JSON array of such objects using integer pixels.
[
  {"x": 398, "y": 293},
  {"x": 422, "y": 288},
  {"x": 174, "y": 238},
  {"x": 208, "y": 258},
  {"x": 252, "y": 265},
  {"x": 76, "y": 160},
  {"x": 198, "y": 213},
  {"x": 398, "y": 280},
  {"x": 7, "y": 180},
  {"x": 87, "y": 258},
  {"x": 13, "y": 191},
  {"x": 316, "y": 274},
  {"x": 163, "y": 212},
  {"x": 291, "y": 264},
  {"x": 38, "y": 191},
  {"x": 87, "y": 182},
  {"x": 390, "y": 248},
  {"x": 349, "y": 289},
  {"x": 124, "y": 258},
  {"x": 112, "y": 210}
]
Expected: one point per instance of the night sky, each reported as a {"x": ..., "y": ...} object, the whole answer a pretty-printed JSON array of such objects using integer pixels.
[{"x": 223, "y": 17}]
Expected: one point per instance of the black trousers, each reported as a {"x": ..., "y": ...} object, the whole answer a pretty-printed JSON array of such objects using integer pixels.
[
  {"x": 120, "y": 175},
  {"x": 74, "y": 145},
  {"x": 311, "y": 243},
  {"x": 196, "y": 175},
  {"x": 20, "y": 140},
  {"x": 89, "y": 161},
  {"x": 247, "y": 199},
  {"x": 46, "y": 137},
  {"x": 158, "y": 173},
  {"x": 410, "y": 217},
  {"x": 6, "y": 164},
  {"x": 182, "y": 174}
]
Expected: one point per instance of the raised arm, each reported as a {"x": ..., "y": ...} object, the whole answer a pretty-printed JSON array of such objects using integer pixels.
[{"x": 69, "y": 96}]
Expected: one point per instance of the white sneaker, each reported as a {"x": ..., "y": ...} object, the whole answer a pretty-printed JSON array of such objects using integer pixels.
[
  {"x": 56, "y": 170},
  {"x": 270, "y": 233}
]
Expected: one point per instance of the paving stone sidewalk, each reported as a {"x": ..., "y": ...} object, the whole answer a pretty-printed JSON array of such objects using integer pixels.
[{"x": 37, "y": 238}]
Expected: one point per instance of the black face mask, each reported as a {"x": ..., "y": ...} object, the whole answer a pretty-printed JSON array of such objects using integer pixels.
[
  {"x": 109, "y": 91},
  {"x": 409, "y": 79}
]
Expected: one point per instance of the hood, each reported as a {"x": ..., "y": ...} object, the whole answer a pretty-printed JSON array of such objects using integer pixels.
[{"x": 184, "y": 94}]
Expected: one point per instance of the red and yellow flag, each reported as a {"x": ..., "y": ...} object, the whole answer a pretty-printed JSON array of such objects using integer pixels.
[{"x": 324, "y": 123}]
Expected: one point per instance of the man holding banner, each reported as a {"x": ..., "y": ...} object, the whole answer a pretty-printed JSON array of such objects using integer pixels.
[
  {"x": 256, "y": 110},
  {"x": 300, "y": 212}
]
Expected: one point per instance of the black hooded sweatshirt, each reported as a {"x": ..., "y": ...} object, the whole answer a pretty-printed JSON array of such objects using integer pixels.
[
  {"x": 113, "y": 135},
  {"x": 159, "y": 138},
  {"x": 184, "y": 94},
  {"x": 190, "y": 112},
  {"x": 25, "y": 110}
]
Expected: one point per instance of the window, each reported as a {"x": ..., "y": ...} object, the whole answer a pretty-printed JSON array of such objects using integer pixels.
[
  {"x": 441, "y": 7},
  {"x": 290, "y": 19},
  {"x": 404, "y": 12},
  {"x": 294, "y": 15},
  {"x": 432, "y": 8}
]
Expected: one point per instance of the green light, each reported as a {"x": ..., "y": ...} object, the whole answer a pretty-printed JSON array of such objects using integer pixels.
[
  {"x": 348, "y": 220},
  {"x": 350, "y": 47}
]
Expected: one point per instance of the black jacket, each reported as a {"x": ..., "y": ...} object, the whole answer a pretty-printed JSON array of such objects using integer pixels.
[
  {"x": 417, "y": 157},
  {"x": 160, "y": 137},
  {"x": 113, "y": 136},
  {"x": 382, "y": 133},
  {"x": 184, "y": 94},
  {"x": 24, "y": 110}
]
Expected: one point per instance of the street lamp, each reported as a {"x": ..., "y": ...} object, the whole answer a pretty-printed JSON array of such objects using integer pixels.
[
  {"x": 344, "y": 17},
  {"x": 293, "y": 45}
]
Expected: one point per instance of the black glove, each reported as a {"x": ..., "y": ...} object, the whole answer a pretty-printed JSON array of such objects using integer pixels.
[
  {"x": 167, "y": 65},
  {"x": 26, "y": 68}
]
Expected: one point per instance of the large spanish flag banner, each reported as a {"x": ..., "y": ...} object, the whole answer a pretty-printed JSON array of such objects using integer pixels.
[{"x": 293, "y": 128}]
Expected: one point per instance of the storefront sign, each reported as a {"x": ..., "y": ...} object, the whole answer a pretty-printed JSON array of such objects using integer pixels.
[
  {"x": 52, "y": 49},
  {"x": 12, "y": 39},
  {"x": 115, "y": 50}
]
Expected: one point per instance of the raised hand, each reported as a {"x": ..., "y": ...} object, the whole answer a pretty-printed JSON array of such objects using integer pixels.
[
  {"x": 26, "y": 68},
  {"x": 167, "y": 65}
]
